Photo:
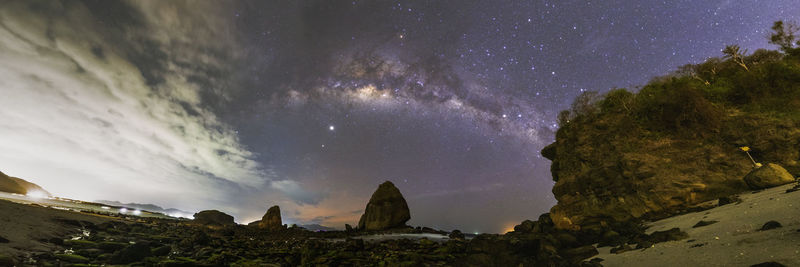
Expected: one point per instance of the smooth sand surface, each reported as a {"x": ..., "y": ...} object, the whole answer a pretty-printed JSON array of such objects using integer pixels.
[
  {"x": 736, "y": 240},
  {"x": 27, "y": 227}
]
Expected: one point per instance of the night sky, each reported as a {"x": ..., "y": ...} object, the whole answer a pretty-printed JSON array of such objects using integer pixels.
[{"x": 310, "y": 105}]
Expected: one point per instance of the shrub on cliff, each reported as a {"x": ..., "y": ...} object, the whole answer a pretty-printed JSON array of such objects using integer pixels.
[{"x": 677, "y": 106}]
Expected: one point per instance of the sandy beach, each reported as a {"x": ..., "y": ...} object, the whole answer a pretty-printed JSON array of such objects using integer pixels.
[{"x": 735, "y": 240}]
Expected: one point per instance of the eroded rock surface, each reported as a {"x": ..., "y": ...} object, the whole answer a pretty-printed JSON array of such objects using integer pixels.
[
  {"x": 386, "y": 209},
  {"x": 272, "y": 219},
  {"x": 605, "y": 169}
]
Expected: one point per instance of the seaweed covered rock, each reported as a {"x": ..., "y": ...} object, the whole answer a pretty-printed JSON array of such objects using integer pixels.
[
  {"x": 767, "y": 176},
  {"x": 386, "y": 209},
  {"x": 213, "y": 217}
]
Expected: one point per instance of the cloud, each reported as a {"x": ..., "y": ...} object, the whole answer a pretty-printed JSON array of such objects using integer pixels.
[
  {"x": 107, "y": 112},
  {"x": 293, "y": 190}
]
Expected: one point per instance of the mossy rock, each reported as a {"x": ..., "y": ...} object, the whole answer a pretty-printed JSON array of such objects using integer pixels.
[
  {"x": 6, "y": 260},
  {"x": 111, "y": 246},
  {"x": 89, "y": 252},
  {"x": 133, "y": 253},
  {"x": 79, "y": 244},
  {"x": 104, "y": 257},
  {"x": 162, "y": 251},
  {"x": 72, "y": 258},
  {"x": 179, "y": 262}
]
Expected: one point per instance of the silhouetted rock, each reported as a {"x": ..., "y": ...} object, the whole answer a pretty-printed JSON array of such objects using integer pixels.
[
  {"x": 621, "y": 248},
  {"x": 576, "y": 255},
  {"x": 3, "y": 240},
  {"x": 162, "y": 251},
  {"x": 6, "y": 260},
  {"x": 771, "y": 225},
  {"x": 133, "y": 253},
  {"x": 725, "y": 200},
  {"x": 348, "y": 228},
  {"x": 456, "y": 235},
  {"x": 386, "y": 209},
  {"x": 272, "y": 219},
  {"x": 213, "y": 217},
  {"x": 794, "y": 188},
  {"x": 667, "y": 235},
  {"x": 702, "y": 223},
  {"x": 767, "y": 176},
  {"x": 525, "y": 227},
  {"x": 768, "y": 264}
]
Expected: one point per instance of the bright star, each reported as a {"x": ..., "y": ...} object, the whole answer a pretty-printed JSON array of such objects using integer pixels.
[{"x": 331, "y": 128}]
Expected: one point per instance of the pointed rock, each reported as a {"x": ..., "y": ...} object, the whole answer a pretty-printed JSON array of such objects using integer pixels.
[
  {"x": 386, "y": 209},
  {"x": 272, "y": 219}
]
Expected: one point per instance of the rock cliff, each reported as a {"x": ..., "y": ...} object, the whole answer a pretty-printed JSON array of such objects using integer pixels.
[
  {"x": 673, "y": 144},
  {"x": 19, "y": 186}
]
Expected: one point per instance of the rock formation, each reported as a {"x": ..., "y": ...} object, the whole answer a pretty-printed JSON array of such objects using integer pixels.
[
  {"x": 272, "y": 219},
  {"x": 213, "y": 217},
  {"x": 605, "y": 168},
  {"x": 19, "y": 186},
  {"x": 386, "y": 209},
  {"x": 767, "y": 176}
]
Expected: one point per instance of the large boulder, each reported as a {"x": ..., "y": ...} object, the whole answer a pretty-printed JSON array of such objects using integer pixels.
[
  {"x": 767, "y": 176},
  {"x": 213, "y": 217},
  {"x": 272, "y": 219},
  {"x": 386, "y": 209}
]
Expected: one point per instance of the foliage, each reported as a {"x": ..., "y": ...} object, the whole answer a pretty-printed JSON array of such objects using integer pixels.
[
  {"x": 733, "y": 52},
  {"x": 677, "y": 106},
  {"x": 694, "y": 99},
  {"x": 783, "y": 35}
]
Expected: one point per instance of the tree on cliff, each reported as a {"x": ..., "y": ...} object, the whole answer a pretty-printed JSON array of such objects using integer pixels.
[
  {"x": 784, "y": 34},
  {"x": 734, "y": 53}
]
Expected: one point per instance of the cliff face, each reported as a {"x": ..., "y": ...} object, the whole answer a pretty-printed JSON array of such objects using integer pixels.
[
  {"x": 19, "y": 186},
  {"x": 605, "y": 169}
]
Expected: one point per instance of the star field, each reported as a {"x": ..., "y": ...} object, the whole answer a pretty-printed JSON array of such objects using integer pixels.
[
  {"x": 459, "y": 97},
  {"x": 311, "y": 104}
]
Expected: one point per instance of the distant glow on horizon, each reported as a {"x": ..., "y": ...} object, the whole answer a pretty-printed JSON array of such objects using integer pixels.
[
  {"x": 180, "y": 215},
  {"x": 37, "y": 194},
  {"x": 123, "y": 210},
  {"x": 137, "y": 212},
  {"x": 105, "y": 208}
]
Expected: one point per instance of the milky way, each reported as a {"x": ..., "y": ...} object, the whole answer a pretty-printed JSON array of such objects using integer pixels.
[{"x": 310, "y": 105}]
